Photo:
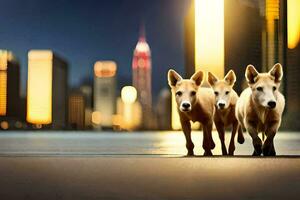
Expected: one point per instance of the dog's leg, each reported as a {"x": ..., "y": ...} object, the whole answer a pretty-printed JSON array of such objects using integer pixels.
[
  {"x": 208, "y": 142},
  {"x": 257, "y": 143},
  {"x": 186, "y": 127},
  {"x": 221, "y": 132},
  {"x": 235, "y": 127},
  {"x": 240, "y": 138},
  {"x": 268, "y": 147}
]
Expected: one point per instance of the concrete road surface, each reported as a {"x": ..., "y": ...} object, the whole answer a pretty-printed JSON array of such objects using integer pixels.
[
  {"x": 89, "y": 165},
  {"x": 150, "y": 178}
]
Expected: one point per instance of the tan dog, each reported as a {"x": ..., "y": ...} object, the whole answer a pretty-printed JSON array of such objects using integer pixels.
[
  {"x": 194, "y": 103},
  {"x": 225, "y": 101},
  {"x": 260, "y": 107}
]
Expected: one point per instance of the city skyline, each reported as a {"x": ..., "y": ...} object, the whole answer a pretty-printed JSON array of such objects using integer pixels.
[
  {"x": 47, "y": 86},
  {"x": 86, "y": 32}
]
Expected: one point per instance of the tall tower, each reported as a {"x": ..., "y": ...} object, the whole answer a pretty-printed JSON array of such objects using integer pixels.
[
  {"x": 141, "y": 69},
  {"x": 47, "y": 89},
  {"x": 104, "y": 93},
  {"x": 9, "y": 86}
]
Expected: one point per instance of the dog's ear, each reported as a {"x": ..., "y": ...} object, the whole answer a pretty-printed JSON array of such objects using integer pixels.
[
  {"x": 198, "y": 77},
  {"x": 230, "y": 77},
  {"x": 173, "y": 77},
  {"x": 211, "y": 79},
  {"x": 251, "y": 74},
  {"x": 276, "y": 72}
]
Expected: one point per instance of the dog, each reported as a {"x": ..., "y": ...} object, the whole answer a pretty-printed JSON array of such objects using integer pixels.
[
  {"x": 194, "y": 103},
  {"x": 260, "y": 107},
  {"x": 225, "y": 102}
]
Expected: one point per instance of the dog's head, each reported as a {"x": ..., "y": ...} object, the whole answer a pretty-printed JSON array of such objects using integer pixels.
[
  {"x": 222, "y": 89},
  {"x": 264, "y": 86},
  {"x": 185, "y": 90}
]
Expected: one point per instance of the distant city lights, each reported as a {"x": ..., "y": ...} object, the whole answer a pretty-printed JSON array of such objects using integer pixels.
[
  {"x": 128, "y": 94},
  {"x": 293, "y": 23},
  {"x": 209, "y": 36},
  {"x": 39, "y": 88}
]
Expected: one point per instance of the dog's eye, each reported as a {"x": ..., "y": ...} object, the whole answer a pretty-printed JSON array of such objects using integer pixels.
[
  {"x": 178, "y": 93},
  {"x": 216, "y": 93},
  {"x": 259, "y": 89},
  {"x": 227, "y": 92},
  {"x": 274, "y": 88},
  {"x": 193, "y": 93}
]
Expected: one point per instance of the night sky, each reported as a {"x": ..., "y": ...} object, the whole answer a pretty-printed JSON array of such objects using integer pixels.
[{"x": 85, "y": 31}]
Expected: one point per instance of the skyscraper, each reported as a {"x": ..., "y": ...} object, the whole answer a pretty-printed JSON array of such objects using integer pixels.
[
  {"x": 243, "y": 45},
  {"x": 76, "y": 117},
  {"x": 163, "y": 109},
  {"x": 141, "y": 69},
  {"x": 87, "y": 92},
  {"x": 292, "y": 67},
  {"x": 273, "y": 33},
  {"x": 46, "y": 89},
  {"x": 9, "y": 86},
  {"x": 104, "y": 93},
  {"x": 204, "y": 37}
]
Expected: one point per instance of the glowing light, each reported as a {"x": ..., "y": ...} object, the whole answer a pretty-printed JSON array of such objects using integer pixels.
[
  {"x": 3, "y": 92},
  {"x": 209, "y": 36},
  {"x": 105, "y": 68},
  {"x": 293, "y": 23},
  {"x": 96, "y": 117},
  {"x": 39, "y": 89},
  {"x": 128, "y": 109},
  {"x": 117, "y": 120},
  {"x": 175, "y": 121},
  {"x": 3, "y": 81},
  {"x": 128, "y": 94},
  {"x": 272, "y": 14},
  {"x": 4, "y": 125},
  {"x": 142, "y": 46}
]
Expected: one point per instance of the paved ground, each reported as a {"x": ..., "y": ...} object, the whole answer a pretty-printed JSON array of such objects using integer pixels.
[
  {"x": 141, "y": 166},
  {"x": 127, "y": 144},
  {"x": 97, "y": 177}
]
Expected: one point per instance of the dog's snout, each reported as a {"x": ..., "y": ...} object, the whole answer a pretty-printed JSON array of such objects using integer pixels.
[
  {"x": 272, "y": 104},
  {"x": 186, "y": 105},
  {"x": 221, "y": 105}
]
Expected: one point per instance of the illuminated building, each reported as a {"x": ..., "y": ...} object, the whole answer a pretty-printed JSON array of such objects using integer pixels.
[
  {"x": 9, "y": 86},
  {"x": 293, "y": 23},
  {"x": 163, "y": 110},
  {"x": 243, "y": 45},
  {"x": 129, "y": 110},
  {"x": 204, "y": 43},
  {"x": 104, "y": 93},
  {"x": 292, "y": 68},
  {"x": 204, "y": 37},
  {"x": 87, "y": 93},
  {"x": 141, "y": 69},
  {"x": 272, "y": 34},
  {"x": 46, "y": 89},
  {"x": 76, "y": 116}
]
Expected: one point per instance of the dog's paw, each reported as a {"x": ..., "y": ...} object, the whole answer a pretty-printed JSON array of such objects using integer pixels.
[
  {"x": 190, "y": 153},
  {"x": 241, "y": 139},
  {"x": 207, "y": 153},
  {"x": 269, "y": 151}
]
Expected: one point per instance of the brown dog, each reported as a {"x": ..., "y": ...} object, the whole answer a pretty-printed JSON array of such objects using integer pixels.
[
  {"x": 260, "y": 107},
  {"x": 225, "y": 101},
  {"x": 194, "y": 103}
]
